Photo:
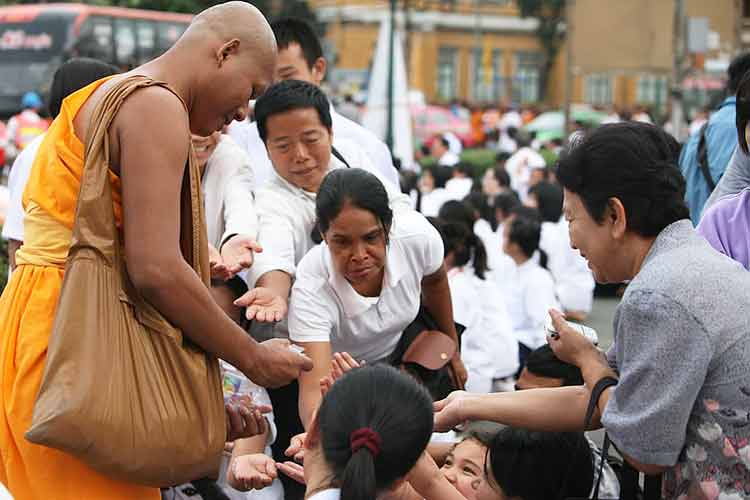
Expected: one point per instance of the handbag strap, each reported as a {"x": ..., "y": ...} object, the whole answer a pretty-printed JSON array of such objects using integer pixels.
[
  {"x": 702, "y": 155},
  {"x": 94, "y": 225},
  {"x": 596, "y": 393}
]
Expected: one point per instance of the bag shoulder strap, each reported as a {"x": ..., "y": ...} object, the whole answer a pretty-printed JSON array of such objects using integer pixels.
[
  {"x": 94, "y": 221},
  {"x": 94, "y": 225},
  {"x": 702, "y": 155},
  {"x": 335, "y": 152},
  {"x": 596, "y": 393}
]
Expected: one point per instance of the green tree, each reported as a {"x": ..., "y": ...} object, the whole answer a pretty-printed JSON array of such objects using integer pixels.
[{"x": 550, "y": 32}]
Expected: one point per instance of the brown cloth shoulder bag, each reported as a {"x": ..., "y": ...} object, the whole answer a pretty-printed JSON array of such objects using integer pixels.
[{"x": 122, "y": 389}]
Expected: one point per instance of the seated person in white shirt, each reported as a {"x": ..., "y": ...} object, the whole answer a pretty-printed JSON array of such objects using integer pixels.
[
  {"x": 364, "y": 285},
  {"x": 432, "y": 193},
  {"x": 574, "y": 281},
  {"x": 372, "y": 428},
  {"x": 459, "y": 185},
  {"x": 300, "y": 57},
  {"x": 295, "y": 123},
  {"x": 521, "y": 164},
  {"x": 489, "y": 348},
  {"x": 531, "y": 289},
  {"x": 70, "y": 77}
]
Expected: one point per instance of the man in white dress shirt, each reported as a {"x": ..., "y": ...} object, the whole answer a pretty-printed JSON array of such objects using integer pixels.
[{"x": 300, "y": 57}]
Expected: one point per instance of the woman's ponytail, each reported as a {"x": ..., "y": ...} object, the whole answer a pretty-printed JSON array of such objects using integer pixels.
[
  {"x": 543, "y": 258},
  {"x": 358, "y": 481},
  {"x": 479, "y": 254}
]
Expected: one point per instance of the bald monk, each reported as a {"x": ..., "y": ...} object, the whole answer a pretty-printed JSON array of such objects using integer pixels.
[{"x": 225, "y": 58}]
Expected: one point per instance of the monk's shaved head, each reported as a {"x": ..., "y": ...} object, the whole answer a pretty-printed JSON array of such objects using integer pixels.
[
  {"x": 228, "y": 57},
  {"x": 234, "y": 20}
]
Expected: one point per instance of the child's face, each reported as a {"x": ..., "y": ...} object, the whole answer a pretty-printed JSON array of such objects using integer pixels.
[{"x": 464, "y": 467}]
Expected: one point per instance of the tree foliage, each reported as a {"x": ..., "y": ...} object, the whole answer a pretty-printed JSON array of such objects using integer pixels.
[{"x": 551, "y": 17}]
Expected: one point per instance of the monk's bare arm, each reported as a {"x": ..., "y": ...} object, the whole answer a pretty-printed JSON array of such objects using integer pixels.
[{"x": 153, "y": 138}]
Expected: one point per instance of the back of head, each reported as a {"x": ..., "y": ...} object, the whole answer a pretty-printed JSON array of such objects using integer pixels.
[
  {"x": 633, "y": 162},
  {"x": 441, "y": 174},
  {"x": 467, "y": 169},
  {"x": 288, "y": 95},
  {"x": 457, "y": 211},
  {"x": 74, "y": 75},
  {"x": 502, "y": 176},
  {"x": 375, "y": 422},
  {"x": 480, "y": 203},
  {"x": 502, "y": 157},
  {"x": 526, "y": 212},
  {"x": 507, "y": 202},
  {"x": 525, "y": 232},
  {"x": 290, "y": 30},
  {"x": 542, "y": 362},
  {"x": 31, "y": 100},
  {"x": 465, "y": 245},
  {"x": 541, "y": 465},
  {"x": 356, "y": 186},
  {"x": 549, "y": 200},
  {"x": 737, "y": 70},
  {"x": 523, "y": 138}
]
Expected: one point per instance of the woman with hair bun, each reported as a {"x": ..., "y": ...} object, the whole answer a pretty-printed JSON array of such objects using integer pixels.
[{"x": 370, "y": 430}]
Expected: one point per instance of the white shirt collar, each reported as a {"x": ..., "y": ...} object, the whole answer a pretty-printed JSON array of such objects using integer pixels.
[
  {"x": 332, "y": 494},
  {"x": 353, "y": 303}
]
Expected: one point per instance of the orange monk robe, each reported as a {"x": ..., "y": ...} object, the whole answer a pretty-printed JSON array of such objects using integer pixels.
[{"x": 27, "y": 311}]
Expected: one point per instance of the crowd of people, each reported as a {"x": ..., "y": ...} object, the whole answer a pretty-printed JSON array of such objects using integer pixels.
[{"x": 382, "y": 334}]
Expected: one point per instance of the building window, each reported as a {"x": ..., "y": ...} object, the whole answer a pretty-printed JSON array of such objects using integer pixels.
[
  {"x": 526, "y": 77},
  {"x": 598, "y": 89},
  {"x": 446, "y": 73},
  {"x": 487, "y": 78},
  {"x": 652, "y": 89}
]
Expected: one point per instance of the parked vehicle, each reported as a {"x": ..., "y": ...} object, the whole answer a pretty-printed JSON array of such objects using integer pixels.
[
  {"x": 36, "y": 39},
  {"x": 431, "y": 121}
]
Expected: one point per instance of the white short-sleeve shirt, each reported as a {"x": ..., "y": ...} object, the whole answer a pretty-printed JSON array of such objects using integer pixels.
[
  {"x": 19, "y": 176},
  {"x": 532, "y": 295},
  {"x": 325, "y": 308}
]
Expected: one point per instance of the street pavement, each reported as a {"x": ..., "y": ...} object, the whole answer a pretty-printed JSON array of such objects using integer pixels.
[{"x": 601, "y": 317}]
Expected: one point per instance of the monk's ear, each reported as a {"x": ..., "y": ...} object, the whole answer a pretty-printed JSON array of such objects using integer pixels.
[{"x": 226, "y": 50}]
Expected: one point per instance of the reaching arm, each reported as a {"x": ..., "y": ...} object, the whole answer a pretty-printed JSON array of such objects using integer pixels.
[
  {"x": 268, "y": 302},
  {"x": 309, "y": 382},
  {"x": 152, "y": 157}
]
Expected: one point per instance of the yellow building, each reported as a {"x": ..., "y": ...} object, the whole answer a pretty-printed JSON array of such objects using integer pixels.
[
  {"x": 623, "y": 51},
  {"x": 483, "y": 51},
  {"x": 480, "y": 51}
]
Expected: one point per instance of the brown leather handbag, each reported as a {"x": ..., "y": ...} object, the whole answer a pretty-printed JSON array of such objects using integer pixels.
[
  {"x": 122, "y": 389},
  {"x": 425, "y": 352}
]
